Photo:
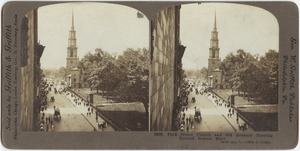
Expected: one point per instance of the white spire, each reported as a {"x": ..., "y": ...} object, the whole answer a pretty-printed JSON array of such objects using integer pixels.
[{"x": 72, "y": 20}]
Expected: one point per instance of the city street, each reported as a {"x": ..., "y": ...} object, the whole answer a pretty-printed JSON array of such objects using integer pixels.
[
  {"x": 214, "y": 117},
  {"x": 73, "y": 117}
]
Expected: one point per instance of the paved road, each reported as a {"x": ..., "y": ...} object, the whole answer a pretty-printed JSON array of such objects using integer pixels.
[
  {"x": 73, "y": 117},
  {"x": 214, "y": 117}
]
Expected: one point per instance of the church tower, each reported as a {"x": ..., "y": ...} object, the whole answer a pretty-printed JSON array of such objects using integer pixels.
[
  {"x": 213, "y": 60},
  {"x": 72, "y": 59}
]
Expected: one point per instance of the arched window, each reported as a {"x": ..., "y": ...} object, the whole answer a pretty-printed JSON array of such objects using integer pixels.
[{"x": 71, "y": 53}]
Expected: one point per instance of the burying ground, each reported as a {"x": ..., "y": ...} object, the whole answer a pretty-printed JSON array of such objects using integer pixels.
[
  {"x": 263, "y": 117},
  {"x": 131, "y": 115}
]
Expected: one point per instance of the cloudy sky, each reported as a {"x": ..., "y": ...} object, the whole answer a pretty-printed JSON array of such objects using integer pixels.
[
  {"x": 240, "y": 27},
  {"x": 98, "y": 25}
]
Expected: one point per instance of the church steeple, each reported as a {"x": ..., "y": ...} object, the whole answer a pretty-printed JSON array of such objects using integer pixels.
[
  {"x": 214, "y": 41},
  {"x": 72, "y": 48},
  {"x": 215, "y": 27},
  {"x": 214, "y": 60},
  {"x": 72, "y": 21},
  {"x": 72, "y": 59}
]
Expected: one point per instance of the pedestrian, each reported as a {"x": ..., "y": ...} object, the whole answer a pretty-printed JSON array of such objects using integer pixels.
[
  {"x": 92, "y": 110},
  {"x": 43, "y": 115},
  {"x": 51, "y": 121},
  {"x": 187, "y": 121},
  {"x": 47, "y": 127},
  {"x": 96, "y": 118},
  {"x": 232, "y": 111},
  {"x": 52, "y": 127},
  {"x": 46, "y": 120},
  {"x": 229, "y": 110}
]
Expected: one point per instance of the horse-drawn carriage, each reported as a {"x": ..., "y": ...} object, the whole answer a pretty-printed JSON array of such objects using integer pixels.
[
  {"x": 57, "y": 114},
  {"x": 52, "y": 99},
  {"x": 193, "y": 99},
  {"x": 197, "y": 115}
]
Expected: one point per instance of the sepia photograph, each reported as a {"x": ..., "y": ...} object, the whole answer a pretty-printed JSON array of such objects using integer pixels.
[
  {"x": 85, "y": 68},
  {"x": 225, "y": 76},
  {"x": 149, "y": 75}
]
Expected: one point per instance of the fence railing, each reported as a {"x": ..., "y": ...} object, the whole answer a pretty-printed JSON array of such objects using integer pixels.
[{"x": 104, "y": 116}]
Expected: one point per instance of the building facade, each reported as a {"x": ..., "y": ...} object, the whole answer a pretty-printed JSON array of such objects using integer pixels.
[
  {"x": 31, "y": 52},
  {"x": 166, "y": 53}
]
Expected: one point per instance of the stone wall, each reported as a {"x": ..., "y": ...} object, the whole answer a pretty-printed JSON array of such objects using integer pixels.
[
  {"x": 28, "y": 90},
  {"x": 162, "y": 88},
  {"x": 30, "y": 56}
]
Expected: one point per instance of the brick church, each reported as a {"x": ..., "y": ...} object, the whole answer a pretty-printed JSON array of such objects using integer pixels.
[
  {"x": 214, "y": 74},
  {"x": 72, "y": 71}
]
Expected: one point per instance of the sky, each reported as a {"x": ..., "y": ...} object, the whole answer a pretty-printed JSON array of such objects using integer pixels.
[
  {"x": 239, "y": 27},
  {"x": 111, "y": 27}
]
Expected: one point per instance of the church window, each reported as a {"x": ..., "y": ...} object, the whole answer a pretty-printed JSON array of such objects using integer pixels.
[
  {"x": 213, "y": 54},
  {"x": 71, "y": 53}
]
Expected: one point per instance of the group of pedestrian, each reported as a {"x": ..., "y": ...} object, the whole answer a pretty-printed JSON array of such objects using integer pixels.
[
  {"x": 186, "y": 122},
  {"x": 90, "y": 111},
  {"x": 46, "y": 123},
  {"x": 230, "y": 112}
]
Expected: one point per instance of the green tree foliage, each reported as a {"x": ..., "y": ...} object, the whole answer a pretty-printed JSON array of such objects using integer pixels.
[
  {"x": 269, "y": 67},
  {"x": 135, "y": 65},
  {"x": 253, "y": 75},
  {"x": 126, "y": 75}
]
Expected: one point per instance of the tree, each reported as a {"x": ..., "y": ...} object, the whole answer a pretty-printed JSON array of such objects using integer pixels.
[
  {"x": 125, "y": 75},
  {"x": 253, "y": 75},
  {"x": 62, "y": 72},
  {"x": 204, "y": 73},
  {"x": 269, "y": 67},
  {"x": 135, "y": 65}
]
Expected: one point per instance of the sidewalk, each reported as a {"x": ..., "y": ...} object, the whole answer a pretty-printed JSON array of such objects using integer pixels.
[
  {"x": 84, "y": 109},
  {"x": 224, "y": 110}
]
